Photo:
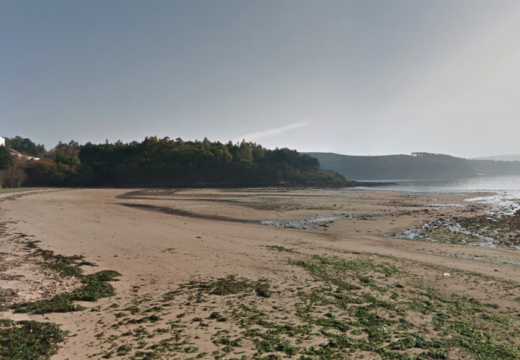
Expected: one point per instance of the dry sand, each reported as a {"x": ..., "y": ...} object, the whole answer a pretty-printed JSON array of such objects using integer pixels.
[{"x": 155, "y": 251}]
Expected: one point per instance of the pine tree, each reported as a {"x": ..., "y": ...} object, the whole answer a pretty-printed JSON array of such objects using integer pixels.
[
  {"x": 6, "y": 160},
  {"x": 244, "y": 154}
]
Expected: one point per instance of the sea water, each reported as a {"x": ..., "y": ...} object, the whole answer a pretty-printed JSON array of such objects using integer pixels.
[
  {"x": 505, "y": 190},
  {"x": 504, "y": 185}
]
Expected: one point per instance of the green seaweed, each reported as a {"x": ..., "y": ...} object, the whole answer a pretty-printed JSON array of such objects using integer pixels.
[
  {"x": 29, "y": 340},
  {"x": 94, "y": 286},
  {"x": 281, "y": 249}
]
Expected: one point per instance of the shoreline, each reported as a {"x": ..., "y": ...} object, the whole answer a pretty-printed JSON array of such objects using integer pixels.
[{"x": 156, "y": 253}]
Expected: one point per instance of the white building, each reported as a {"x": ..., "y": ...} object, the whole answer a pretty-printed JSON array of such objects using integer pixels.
[{"x": 16, "y": 154}]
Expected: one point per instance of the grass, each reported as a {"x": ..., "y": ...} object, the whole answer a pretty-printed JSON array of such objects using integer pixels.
[
  {"x": 29, "y": 340},
  {"x": 281, "y": 249},
  {"x": 17, "y": 190}
]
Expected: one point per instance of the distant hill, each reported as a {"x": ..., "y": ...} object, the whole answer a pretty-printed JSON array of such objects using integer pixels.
[
  {"x": 493, "y": 167},
  {"x": 500, "y": 158},
  {"x": 419, "y": 166}
]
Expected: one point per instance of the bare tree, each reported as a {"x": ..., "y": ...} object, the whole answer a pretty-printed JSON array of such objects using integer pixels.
[{"x": 12, "y": 177}]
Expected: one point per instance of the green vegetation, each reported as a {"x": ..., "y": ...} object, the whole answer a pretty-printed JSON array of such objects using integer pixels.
[
  {"x": 29, "y": 340},
  {"x": 6, "y": 160},
  {"x": 166, "y": 162},
  {"x": 25, "y": 146},
  {"x": 281, "y": 249},
  {"x": 350, "y": 306},
  {"x": 94, "y": 286},
  {"x": 59, "y": 303},
  {"x": 231, "y": 285},
  {"x": 14, "y": 191},
  {"x": 453, "y": 322}
]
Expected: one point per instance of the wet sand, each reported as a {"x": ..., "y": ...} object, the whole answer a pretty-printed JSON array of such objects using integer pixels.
[{"x": 210, "y": 234}]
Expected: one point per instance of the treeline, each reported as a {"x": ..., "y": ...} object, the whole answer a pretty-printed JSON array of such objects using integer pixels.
[{"x": 165, "y": 162}]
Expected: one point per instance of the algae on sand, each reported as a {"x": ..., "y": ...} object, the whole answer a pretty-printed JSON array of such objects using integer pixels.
[
  {"x": 29, "y": 340},
  {"x": 340, "y": 307},
  {"x": 94, "y": 286}
]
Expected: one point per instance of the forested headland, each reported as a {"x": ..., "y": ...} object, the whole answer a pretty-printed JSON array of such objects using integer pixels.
[{"x": 157, "y": 162}]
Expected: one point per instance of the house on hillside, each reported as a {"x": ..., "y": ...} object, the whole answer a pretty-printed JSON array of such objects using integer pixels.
[{"x": 18, "y": 155}]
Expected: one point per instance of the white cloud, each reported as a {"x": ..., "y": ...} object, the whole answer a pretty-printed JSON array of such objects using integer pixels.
[{"x": 272, "y": 132}]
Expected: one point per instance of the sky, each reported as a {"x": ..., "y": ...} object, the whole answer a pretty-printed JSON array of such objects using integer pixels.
[{"x": 364, "y": 77}]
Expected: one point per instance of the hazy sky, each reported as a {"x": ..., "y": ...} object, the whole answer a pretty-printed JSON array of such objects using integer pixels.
[{"x": 352, "y": 77}]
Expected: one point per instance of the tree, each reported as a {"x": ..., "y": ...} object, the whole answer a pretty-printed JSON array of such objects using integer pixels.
[
  {"x": 244, "y": 154},
  {"x": 6, "y": 159},
  {"x": 12, "y": 177},
  {"x": 167, "y": 162},
  {"x": 257, "y": 150},
  {"x": 66, "y": 153},
  {"x": 25, "y": 146}
]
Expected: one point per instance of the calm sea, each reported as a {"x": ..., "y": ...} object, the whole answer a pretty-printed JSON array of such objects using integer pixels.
[{"x": 499, "y": 184}]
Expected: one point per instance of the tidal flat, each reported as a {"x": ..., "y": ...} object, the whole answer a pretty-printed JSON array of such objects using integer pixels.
[{"x": 219, "y": 274}]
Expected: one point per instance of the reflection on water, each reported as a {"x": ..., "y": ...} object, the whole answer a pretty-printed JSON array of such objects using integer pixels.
[{"x": 501, "y": 184}]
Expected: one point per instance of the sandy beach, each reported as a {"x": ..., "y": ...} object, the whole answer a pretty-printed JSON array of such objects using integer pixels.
[{"x": 159, "y": 240}]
